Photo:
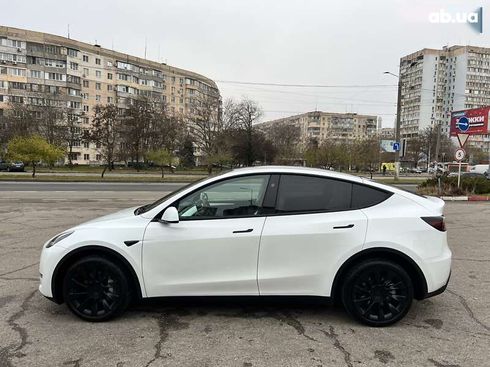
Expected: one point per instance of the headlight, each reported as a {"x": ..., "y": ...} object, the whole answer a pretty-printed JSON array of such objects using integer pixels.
[{"x": 58, "y": 238}]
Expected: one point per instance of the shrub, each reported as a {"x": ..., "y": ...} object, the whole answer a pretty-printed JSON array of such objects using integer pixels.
[{"x": 449, "y": 186}]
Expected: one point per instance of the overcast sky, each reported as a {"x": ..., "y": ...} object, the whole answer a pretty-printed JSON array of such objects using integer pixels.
[{"x": 272, "y": 41}]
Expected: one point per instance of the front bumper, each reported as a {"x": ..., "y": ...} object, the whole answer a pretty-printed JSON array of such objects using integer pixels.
[{"x": 50, "y": 257}]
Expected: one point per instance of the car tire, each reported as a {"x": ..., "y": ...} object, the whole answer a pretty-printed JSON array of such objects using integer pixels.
[
  {"x": 96, "y": 289},
  {"x": 377, "y": 292}
]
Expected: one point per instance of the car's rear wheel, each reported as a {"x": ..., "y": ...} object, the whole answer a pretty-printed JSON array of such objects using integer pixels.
[
  {"x": 377, "y": 292},
  {"x": 96, "y": 289}
]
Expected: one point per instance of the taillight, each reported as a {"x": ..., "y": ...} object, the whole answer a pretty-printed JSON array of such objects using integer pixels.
[{"x": 436, "y": 222}]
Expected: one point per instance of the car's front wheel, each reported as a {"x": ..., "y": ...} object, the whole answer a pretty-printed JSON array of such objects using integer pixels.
[
  {"x": 377, "y": 292},
  {"x": 96, "y": 289}
]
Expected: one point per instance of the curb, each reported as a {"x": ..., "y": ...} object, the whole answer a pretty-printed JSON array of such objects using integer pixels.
[{"x": 466, "y": 198}]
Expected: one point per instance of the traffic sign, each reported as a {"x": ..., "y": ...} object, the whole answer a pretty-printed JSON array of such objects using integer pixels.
[
  {"x": 462, "y": 138},
  {"x": 396, "y": 146},
  {"x": 463, "y": 124},
  {"x": 460, "y": 154}
]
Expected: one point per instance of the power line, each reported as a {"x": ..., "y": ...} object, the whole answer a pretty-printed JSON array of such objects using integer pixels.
[{"x": 307, "y": 85}]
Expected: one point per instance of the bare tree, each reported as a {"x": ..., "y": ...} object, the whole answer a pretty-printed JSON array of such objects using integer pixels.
[
  {"x": 248, "y": 113},
  {"x": 19, "y": 120},
  {"x": 285, "y": 138},
  {"x": 106, "y": 132},
  {"x": 206, "y": 126},
  {"x": 137, "y": 128}
]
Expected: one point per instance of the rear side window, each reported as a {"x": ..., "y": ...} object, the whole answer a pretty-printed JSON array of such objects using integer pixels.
[
  {"x": 364, "y": 196},
  {"x": 311, "y": 194}
]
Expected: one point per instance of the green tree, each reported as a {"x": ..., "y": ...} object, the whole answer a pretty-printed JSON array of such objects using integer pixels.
[
  {"x": 33, "y": 149},
  {"x": 161, "y": 157}
]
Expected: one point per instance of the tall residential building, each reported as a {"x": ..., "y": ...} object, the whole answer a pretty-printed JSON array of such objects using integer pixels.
[
  {"x": 43, "y": 69},
  {"x": 436, "y": 82},
  {"x": 329, "y": 125}
]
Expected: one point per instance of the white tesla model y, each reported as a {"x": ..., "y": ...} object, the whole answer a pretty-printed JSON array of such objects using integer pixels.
[{"x": 261, "y": 231}]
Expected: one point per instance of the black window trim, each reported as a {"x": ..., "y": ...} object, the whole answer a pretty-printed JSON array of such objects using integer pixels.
[
  {"x": 275, "y": 193},
  {"x": 176, "y": 202},
  {"x": 389, "y": 193}
]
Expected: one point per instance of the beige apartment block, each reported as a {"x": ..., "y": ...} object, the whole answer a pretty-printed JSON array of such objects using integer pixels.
[
  {"x": 40, "y": 68},
  {"x": 436, "y": 82},
  {"x": 321, "y": 126}
]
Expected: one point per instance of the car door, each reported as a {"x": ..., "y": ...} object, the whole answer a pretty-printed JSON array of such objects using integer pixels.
[
  {"x": 311, "y": 233},
  {"x": 213, "y": 249}
]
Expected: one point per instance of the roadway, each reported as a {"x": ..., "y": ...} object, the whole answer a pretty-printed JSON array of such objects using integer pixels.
[{"x": 110, "y": 186}]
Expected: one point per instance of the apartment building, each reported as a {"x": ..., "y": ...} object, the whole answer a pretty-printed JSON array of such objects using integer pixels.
[
  {"x": 386, "y": 133},
  {"x": 320, "y": 126},
  {"x": 43, "y": 69},
  {"x": 436, "y": 82}
]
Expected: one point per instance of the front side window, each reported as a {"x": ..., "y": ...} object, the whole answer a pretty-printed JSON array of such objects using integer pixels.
[
  {"x": 298, "y": 194},
  {"x": 235, "y": 197}
]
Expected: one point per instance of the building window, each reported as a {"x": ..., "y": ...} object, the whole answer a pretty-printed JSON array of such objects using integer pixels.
[
  {"x": 97, "y": 157},
  {"x": 85, "y": 108},
  {"x": 37, "y": 74},
  {"x": 54, "y": 63},
  {"x": 55, "y": 76},
  {"x": 72, "y": 104},
  {"x": 73, "y": 79},
  {"x": 110, "y": 100},
  {"x": 97, "y": 86},
  {"x": 85, "y": 83},
  {"x": 97, "y": 61},
  {"x": 85, "y": 71},
  {"x": 109, "y": 76},
  {"x": 85, "y": 58},
  {"x": 97, "y": 98},
  {"x": 109, "y": 87},
  {"x": 73, "y": 65},
  {"x": 85, "y": 144},
  {"x": 17, "y": 72},
  {"x": 86, "y": 157},
  {"x": 71, "y": 52},
  {"x": 98, "y": 73}
]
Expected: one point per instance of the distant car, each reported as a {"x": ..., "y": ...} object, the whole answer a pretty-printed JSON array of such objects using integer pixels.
[
  {"x": 415, "y": 170},
  {"x": 4, "y": 166},
  {"x": 260, "y": 231},
  {"x": 16, "y": 167},
  {"x": 479, "y": 168}
]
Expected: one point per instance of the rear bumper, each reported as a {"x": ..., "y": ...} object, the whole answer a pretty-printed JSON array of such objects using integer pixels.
[{"x": 440, "y": 290}]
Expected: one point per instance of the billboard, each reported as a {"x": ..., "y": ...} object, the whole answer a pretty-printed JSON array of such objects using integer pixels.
[
  {"x": 387, "y": 145},
  {"x": 473, "y": 122}
]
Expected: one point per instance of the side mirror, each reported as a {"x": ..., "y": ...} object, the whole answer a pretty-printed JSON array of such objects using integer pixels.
[{"x": 170, "y": 215}]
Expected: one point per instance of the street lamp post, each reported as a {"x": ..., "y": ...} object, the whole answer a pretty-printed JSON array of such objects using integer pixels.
[{"x": 398, "y": 123}]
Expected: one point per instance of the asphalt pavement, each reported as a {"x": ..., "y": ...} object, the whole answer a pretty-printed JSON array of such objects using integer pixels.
[
  {"x": 89, "y": 186},
  {"x": 452, "y": 329}
]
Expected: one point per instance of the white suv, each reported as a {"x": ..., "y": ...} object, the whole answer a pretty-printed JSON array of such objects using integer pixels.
[{"x": 262, "y": 231}]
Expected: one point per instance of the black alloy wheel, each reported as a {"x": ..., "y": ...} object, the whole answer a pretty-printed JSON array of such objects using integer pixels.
[
  {"x": 377, "y": 292},
  {"x": 96, "y": 289}
]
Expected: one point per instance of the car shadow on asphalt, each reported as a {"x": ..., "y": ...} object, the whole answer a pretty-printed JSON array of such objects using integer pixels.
[{"x": 239, "y": 306}]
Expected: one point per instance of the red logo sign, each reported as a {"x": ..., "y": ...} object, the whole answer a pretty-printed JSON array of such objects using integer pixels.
[{"x": 473, "y": 122}]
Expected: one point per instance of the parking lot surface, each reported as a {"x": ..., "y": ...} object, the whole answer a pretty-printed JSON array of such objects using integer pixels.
[{"x": 449, "y": 330}]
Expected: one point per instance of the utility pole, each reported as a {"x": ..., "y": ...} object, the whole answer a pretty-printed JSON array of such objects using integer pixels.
[
  {"x": 438, "y": 141},
  {"x": 398, "y": 124}
]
